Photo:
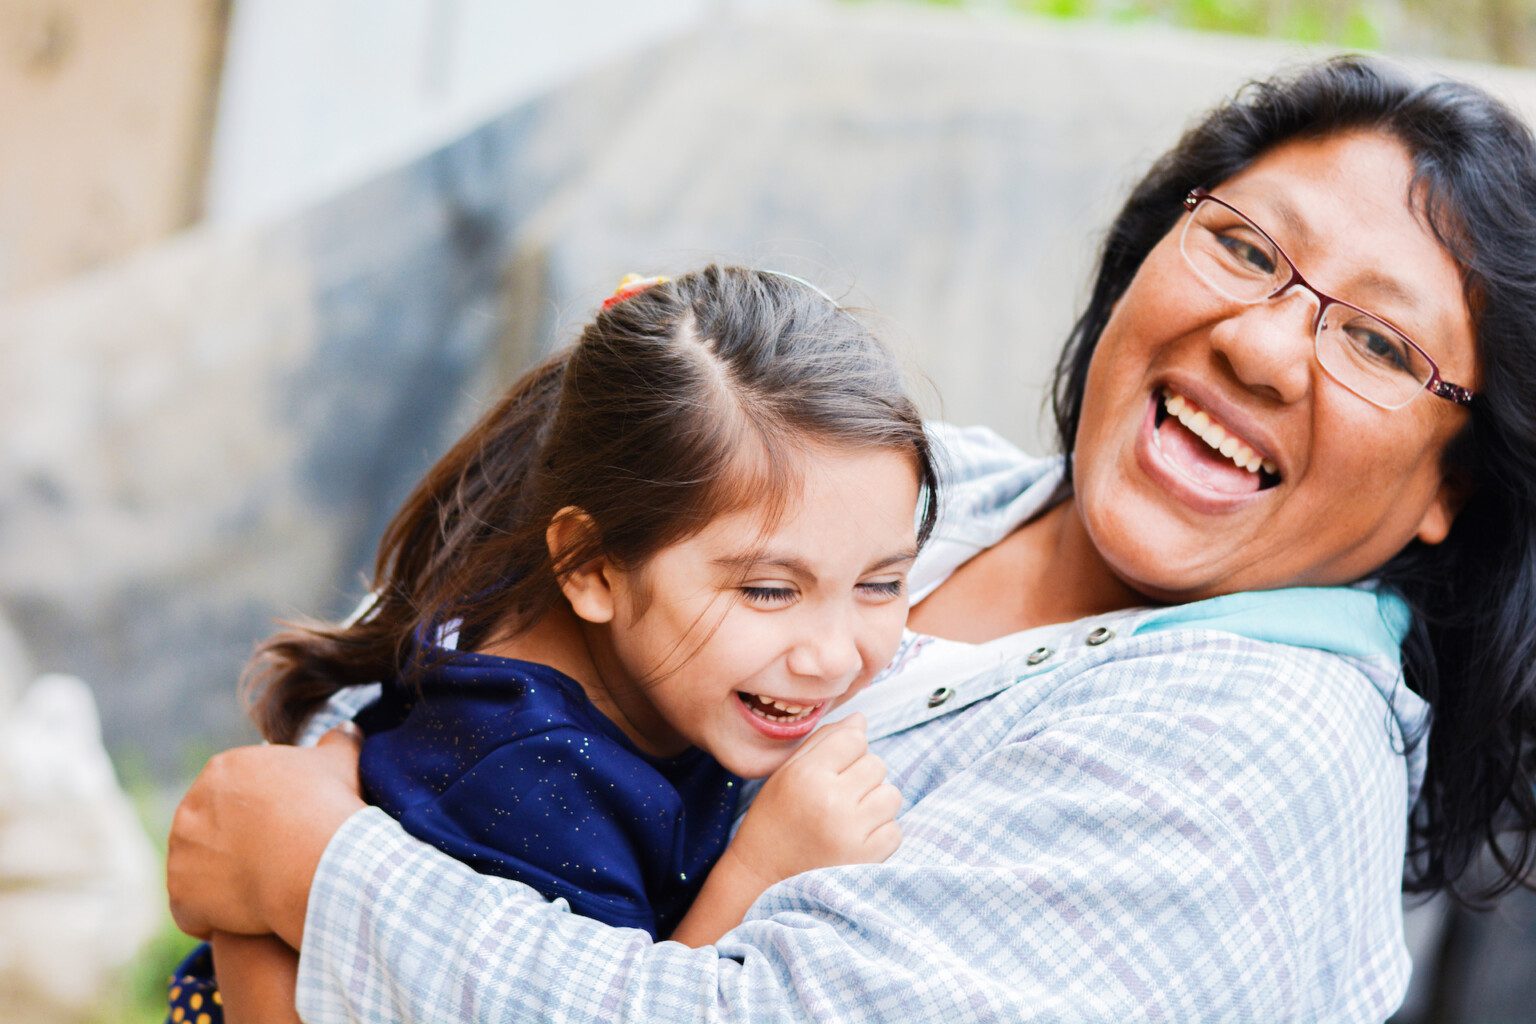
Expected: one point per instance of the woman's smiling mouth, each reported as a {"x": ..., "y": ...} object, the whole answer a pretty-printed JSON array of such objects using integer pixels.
[
  {"x": 1207, "y": 462},
  {"x": 1218, "y": 437}
]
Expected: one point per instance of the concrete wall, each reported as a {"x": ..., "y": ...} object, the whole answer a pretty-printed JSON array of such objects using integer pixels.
[
  {"x": 212, "y": 434},
  {"x": 314, "y": 95}
]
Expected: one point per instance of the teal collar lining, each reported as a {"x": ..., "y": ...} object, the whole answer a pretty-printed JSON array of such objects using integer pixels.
[{"x": 1363, "y": 621}]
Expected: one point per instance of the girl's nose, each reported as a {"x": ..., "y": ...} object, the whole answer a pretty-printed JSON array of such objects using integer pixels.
[
  {"x": 829, "y": 651},
  {"x": 1270, "y": 346}
]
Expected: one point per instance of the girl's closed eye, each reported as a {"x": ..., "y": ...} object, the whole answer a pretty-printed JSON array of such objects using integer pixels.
[
  {"x": 768, "y": 595},
  {"x": 883, "y": 589}
]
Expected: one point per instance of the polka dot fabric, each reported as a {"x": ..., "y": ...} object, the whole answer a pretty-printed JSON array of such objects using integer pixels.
[{"x": 193, "y": 996}]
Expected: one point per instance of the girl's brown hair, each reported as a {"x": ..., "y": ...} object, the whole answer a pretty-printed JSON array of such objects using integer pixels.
[{"x": 676, "y": 405}]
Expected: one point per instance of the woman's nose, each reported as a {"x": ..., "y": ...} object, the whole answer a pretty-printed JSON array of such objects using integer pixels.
[{"x": 1270, "y": 346}]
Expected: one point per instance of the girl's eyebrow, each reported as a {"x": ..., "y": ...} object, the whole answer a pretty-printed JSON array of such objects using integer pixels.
[{"x": 798, "y": 566}]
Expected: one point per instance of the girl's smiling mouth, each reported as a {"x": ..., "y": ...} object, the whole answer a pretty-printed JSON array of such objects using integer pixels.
[
  {"x": 1202, "y": 460},
  {"x": 780, "y": 719}
]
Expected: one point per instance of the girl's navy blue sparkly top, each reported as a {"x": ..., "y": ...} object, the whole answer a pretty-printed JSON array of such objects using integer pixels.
[{"x": 507, "y": 766}]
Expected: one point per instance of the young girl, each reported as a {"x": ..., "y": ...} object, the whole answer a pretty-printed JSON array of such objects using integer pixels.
[{"x": 650, "y": 570}]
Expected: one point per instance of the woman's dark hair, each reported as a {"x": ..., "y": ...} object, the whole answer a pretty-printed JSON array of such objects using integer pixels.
[
  {"x": 1471, "y": 651},
  {"x": 685, "y": 401}
]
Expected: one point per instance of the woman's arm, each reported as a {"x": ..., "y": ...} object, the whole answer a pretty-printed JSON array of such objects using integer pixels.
[
  {"x": 827, "y": 805},
  {"x": 247, "y": 837},
  {"x": 1118, "y": 849}
]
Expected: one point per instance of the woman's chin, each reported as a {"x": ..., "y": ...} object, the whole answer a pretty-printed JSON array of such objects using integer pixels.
[{"x": 1159, "y": 556}]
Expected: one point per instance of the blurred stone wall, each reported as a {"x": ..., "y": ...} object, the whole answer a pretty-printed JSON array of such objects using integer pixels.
[{"x": 213, "y": 434}]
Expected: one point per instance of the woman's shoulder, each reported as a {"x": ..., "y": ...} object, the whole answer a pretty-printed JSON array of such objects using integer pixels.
[
  {"x": 1223, "y": 673},
  {"x": 968, "y": 454}
]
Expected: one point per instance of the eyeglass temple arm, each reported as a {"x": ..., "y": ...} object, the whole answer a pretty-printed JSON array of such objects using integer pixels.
[{"x": 1454, "y": 392}]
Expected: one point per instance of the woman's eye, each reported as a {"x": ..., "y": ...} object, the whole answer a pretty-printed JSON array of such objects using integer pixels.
[
  {"x": 1379, "y": 348},
  {"x": 883, "y": 588},
  {"x": 768, "y": 595},
  {"x": 1248, "y": 255}
]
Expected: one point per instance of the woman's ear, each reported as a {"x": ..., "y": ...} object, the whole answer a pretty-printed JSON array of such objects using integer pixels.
[
  {"x": 588, "y": 586},
  {"x": 1441, "y": 514}
]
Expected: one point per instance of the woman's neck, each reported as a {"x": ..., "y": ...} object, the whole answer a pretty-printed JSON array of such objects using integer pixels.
[
  {"x": 1046, "y": 571},
  {"x": 566, "y": 643},
  {"x": 1084, "y": 582}
]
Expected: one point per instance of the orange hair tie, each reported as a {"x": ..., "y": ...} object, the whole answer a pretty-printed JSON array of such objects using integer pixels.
[{"x": 632, "y": 284}]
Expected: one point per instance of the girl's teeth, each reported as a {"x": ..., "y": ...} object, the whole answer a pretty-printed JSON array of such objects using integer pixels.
[
  {"x": 1214, "y": 434},
  {"x": 784, "y": 710}
]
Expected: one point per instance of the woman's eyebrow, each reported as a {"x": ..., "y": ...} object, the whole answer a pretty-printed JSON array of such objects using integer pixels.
[
  {"x": 799, "y": 566},
  {"x": 1295, "y": 225},
  {"x": 1391, "y": 288},
  {"x": 1383, "y": 285}
]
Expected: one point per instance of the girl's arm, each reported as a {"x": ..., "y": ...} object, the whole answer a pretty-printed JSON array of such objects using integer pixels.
[
  {"x": 258, "y": 978},
  {"x": 827, "y": 805}
]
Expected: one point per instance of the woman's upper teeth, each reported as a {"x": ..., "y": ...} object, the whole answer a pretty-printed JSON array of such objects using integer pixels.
[{"x": 1214, "y": 434}]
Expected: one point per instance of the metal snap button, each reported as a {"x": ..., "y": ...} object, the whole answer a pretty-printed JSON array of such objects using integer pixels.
[
  {"x": 1099, "y": 636},
  {"x": 940, "y": 695},
  {"x": 1038, "y": 655}
]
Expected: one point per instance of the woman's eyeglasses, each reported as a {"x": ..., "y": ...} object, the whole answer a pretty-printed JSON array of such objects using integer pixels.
[{"x": 1360, "y": 350}]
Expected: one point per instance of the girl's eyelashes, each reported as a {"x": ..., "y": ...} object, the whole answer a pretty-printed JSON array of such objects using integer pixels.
[
  {"x": 883, "y": 588},
  {"x": 768, "y": 595},
  {"x": 772, "y": 596}
]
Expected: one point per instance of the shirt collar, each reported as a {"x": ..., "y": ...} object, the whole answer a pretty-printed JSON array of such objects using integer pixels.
[{"x": 1366, "y": 621}]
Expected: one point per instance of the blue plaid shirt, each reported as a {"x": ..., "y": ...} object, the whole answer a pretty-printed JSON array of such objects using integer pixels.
[{"x": 1181, "y": 814}]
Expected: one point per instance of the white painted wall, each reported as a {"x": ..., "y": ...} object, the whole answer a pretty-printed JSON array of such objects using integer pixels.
[{"x": 316, "y": 96}]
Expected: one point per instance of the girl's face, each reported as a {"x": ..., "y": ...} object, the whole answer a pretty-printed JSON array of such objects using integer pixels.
[
  {"x": 741, "y": 641},
  {"x": 1355, "y": 483}
]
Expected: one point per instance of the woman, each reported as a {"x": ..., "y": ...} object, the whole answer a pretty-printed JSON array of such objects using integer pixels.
[{"x": 1159, "y": 763}]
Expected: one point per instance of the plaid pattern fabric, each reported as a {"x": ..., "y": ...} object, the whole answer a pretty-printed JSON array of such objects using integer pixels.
[{"x": 1180, "y": 823}]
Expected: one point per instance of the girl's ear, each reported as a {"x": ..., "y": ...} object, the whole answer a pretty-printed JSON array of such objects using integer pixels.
[{"x": 589, "y": 586}]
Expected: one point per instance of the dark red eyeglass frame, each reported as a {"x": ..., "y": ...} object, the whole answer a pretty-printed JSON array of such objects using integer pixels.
[{"x": 1436, "y": 385}]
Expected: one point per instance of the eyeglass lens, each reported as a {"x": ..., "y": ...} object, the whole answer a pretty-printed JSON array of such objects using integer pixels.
[{"x": 1229, "y": 253}]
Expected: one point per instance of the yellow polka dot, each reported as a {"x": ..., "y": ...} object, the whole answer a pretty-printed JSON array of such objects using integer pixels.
[
  {"x": 178, "y": 1015},
  {"x": 218, "y": 999},
  {"x": 175, "y": 993},
  {"x": 203, "y": 1018},
  {"x": 196, "y": 1002}
]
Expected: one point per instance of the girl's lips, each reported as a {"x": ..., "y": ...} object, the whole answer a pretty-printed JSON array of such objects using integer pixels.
[
  {"x": 777, "y": 731},
  {"x": 1157, "y": 464}
]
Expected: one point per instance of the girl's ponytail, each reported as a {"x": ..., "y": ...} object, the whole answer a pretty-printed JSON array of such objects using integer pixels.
[{"x": 419, "y": 569}]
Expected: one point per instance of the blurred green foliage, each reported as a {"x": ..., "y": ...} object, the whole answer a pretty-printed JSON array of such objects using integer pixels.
[
  {"x": 139, "y": 995},
  {"x": 1352, "y": 23},
  {"x": 1497, "y": 30}
]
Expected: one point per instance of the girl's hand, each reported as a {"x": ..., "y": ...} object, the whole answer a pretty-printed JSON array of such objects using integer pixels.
[
  {"x": 249, "y": 834},
  {"x": 829, "y": 804}
]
